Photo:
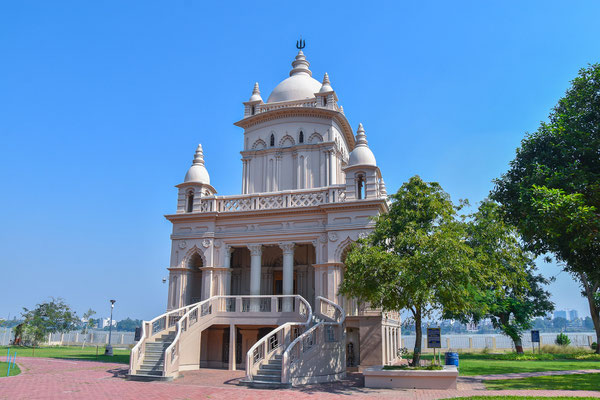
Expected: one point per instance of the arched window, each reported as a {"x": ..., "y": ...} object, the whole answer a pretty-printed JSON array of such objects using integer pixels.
[
  {"x": 301, "y": 137},
  {"x": 272, "y": 142},
  {"x": 190, "y": 202},
  {"x": 253, "y": 110},
  {"x": 324, "y": 100},
  {"x": 360, "y": 187}
]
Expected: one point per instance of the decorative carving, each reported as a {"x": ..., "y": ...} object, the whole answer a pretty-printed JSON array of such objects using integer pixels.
[
  {"x": 287, "y": 247},
  {"x": 332, "y": 236},
  {"x": 217, "y": 243},
  {"x": 323, "y": 238},
  {"x": 182, "y": 244},
  {"x": 206, "y": 243},
  {"x": 255, "y": 249}
]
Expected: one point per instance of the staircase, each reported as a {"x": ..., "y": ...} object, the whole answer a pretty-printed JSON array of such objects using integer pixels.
[
  {"x": 269, "y": 375},
  {"x": 154, "y": 358}
]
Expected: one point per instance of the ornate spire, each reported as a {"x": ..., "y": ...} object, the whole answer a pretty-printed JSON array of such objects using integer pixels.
[
  {"x": 300, "y": 65},
  {"x": 326, "y": 85},
  {"x": 199, "y": 156},
  {"x": 382, "y": 188},
  {"x": 361, "y": 138},
  {"x": 255, "y": 93}
]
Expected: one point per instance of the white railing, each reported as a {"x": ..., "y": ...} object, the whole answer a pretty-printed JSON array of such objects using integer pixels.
[
  {"x": 276, "y": 341},
  {"x": 310, "y": 103},
  {"x": 223, "y": 305},
  {"x": 273, "y": 200},
  {"x": 322, "y": 333}
]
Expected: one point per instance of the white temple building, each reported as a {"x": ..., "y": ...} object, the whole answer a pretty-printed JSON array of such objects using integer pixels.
[{"x": 254, "y": 277}]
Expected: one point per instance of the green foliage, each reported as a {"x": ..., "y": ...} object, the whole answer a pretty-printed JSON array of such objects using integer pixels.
[
  {"x": 14, "y": 369},
  {"x": 513, "y": 302},
  {"x": 417, "y": 258},
  {"x": 555, "y": 382},
  {"x": 128, "y": 324},
  {"x": 72, "y": 352},
  {"x": 552, "y": 189},
  {"x": 406, "y": 367},
  {"x": 89, "y": 322},
  {"x": 523, "y": 398},
  {"x": 45, "y": 318},
  {"x": 562, "y": 340},
  {"x": 594, "y": 345}
]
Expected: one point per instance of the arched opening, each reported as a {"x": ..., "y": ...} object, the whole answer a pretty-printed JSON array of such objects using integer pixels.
[
  {"x": 189, "y": 202},
  {"x": 324, "y": 100},
  {"x": 360, "y": 187},
  {"x": 301, "y": 137},
  {"x": 253, "y": 110},
  {"x": 272, "y": 140},
  {"x": 195, "y": 279}
]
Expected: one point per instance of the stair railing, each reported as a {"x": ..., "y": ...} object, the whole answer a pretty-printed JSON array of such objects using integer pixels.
[
  {"x": 151, "y": 329},
  {"x": 331, "y": 331},
  {"x": 277, "y": 340}
]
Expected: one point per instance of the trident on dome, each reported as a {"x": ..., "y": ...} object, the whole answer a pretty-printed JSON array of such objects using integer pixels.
[{"x": 300, "y": 44}]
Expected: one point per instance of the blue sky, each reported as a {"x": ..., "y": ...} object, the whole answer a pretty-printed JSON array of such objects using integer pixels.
[{"x": 102, "y": 105}]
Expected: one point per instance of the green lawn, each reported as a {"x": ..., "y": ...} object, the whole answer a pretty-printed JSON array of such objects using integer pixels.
[
  {"x": 14, "y": 369},
  {"x": 74, "y": 352},
  {"x": 557, "y": 382},
  {"x": 522, "y": 398},
  {"x": 486, "y": 364}
]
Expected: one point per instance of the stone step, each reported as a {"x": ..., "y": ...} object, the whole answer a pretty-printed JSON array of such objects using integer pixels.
[
  {"x": 269, "y": 372},
  {"x": 148, "y": 372},
  {"x": 271, "y": 367},
  {"x": 148, "y": 378},
  {"x": 267, "y": 378}
]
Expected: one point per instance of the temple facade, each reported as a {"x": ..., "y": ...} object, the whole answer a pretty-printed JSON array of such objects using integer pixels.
[{"x": 254, "y": 277}]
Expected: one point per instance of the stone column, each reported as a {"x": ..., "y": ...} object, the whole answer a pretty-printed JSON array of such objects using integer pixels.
[
  {"x": 244, "y": 176},
  {"x": 288, "y": 274},
  {"x": 232, "y": 347},
  {"x": 227, "y": 264},
  {"x": 331, "y": 169},
  {"x": 255, "y": 267}
]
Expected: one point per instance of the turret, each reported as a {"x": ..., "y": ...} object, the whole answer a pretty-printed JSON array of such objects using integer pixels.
[
  {"x": 326, "y": 96},
  {"x": 255, "y": 100},
  {"x": 363, "y": 177},
  {"x": 196, "y": 185}
]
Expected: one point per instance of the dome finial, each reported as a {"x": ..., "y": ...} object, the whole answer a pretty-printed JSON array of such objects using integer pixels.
[
  {"x": 255, "y": 93},
  {"x": 361, "y": 137},
  {"x": 326, "y": 85},
  {"x": 300, "y": 44},
  {"x": 197, "y": 172},
  {"x": 300, "y": 65},
  {"x": 199, "y": 156}
]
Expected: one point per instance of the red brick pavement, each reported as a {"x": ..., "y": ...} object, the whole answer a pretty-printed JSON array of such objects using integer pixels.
[{"x": 43, "y": 378}]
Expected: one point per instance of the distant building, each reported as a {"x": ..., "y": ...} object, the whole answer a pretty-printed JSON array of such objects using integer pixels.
[
  {"x": 104, "y": 322},
  {"x": 560, "y": 314},
  {"x": 573, "y": 315}
]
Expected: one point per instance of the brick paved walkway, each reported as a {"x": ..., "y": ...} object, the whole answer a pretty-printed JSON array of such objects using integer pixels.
[{"x": 43, "y": 378}]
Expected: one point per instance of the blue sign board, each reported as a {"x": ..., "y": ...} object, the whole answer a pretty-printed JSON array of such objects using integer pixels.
[
  {"x": 535, "y": 336},
  {"x": 434, "y": 338}
]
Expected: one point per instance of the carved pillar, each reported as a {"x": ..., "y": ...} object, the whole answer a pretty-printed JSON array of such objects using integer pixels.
[
  {"x": 331, "y": 168},
  {"x": 288, "y": 274},
  {"x": 227, "y": 274},
  {"x": 255, "y": 267}
]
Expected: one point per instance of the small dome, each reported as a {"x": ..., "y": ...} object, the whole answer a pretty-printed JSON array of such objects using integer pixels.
[
  {"x": 361, "y": 155},
  {"x": 255, "y": 93},
  {"x": 197, "y": 172},
  {"x": 299, "y": 86}
]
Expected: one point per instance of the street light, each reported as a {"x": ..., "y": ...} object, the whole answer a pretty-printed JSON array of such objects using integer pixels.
[{"x": 109, "y": 350}]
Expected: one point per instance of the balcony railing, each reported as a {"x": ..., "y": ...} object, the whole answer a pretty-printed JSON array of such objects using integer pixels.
[{"x": 272, "y": 200}]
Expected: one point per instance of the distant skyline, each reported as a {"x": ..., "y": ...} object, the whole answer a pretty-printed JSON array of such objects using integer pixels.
[{"x": 102, "y": 106}]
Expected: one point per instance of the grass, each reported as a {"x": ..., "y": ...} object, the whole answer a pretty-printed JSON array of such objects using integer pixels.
[
  {"x": 72, "y": 352},
  {"x": 556, "y": 382},
  {"x": 14, "y": 369},
  {"x": 485, "y": 364},
  {"x": 522, "y": 398}
]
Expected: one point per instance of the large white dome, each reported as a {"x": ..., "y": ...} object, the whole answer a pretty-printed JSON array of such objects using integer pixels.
[
  {"x": 296, "y": 87},
  {"x": 299, "y": 86}
]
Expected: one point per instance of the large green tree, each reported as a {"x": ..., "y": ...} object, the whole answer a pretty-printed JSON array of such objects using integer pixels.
[
  {"x": 416, "y": 258},
  {"x": 552, "y": 189},
  {"x": 52, "y": 316},
  {"x": 520, "y": 296}
]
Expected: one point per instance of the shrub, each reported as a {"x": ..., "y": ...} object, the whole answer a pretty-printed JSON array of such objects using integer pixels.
[
  {"x": 594, "y": 345},
  {"x": 562, "y": 340}
]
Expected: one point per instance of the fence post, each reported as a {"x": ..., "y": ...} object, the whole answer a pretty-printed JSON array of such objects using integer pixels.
[
  {"x": 448, "y": 343},
  {"x": 470, "y": 342},
  {"x": 494, "y": 343},
  {"x": 62, "y": 337},
  {"x": 122, "y": 338}
]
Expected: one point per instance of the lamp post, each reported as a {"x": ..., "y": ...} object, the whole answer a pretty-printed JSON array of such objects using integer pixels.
[{"x": 109, "y": 350}]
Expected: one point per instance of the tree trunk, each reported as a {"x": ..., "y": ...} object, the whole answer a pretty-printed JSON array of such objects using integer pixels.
[
  {"x": 590, "y": 291},
  {"x": 518, "y": 344},
  {"x": 418, "y": 337}
]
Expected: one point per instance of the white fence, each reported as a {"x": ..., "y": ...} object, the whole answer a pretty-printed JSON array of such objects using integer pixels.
[
  {"x": 76, "y": 338},
  {"x": 496, "y": 341}
]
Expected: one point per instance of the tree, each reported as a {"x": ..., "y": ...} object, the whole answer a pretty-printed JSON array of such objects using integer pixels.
[
  {"x": 519, "y": 297},
  {"x": 552, "y": 190},
  {"x": 559, "y": 323},
  {"x": 50, "y": 317},
  {"x": 128, "y": 324},
  {"x": 588, "y": 323},
  {"x": 88, "y": 322},
  {"x": 416, "y": 258}
]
